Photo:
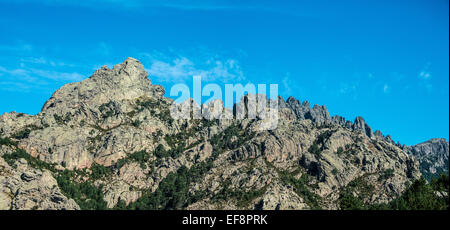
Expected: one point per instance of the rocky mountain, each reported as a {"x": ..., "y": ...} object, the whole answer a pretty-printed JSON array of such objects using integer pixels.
[
  {"x": 432, "y": 156},
  {"x": 110, "y": 142}
]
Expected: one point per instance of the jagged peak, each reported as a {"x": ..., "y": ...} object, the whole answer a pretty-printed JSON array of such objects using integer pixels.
[
  {"x": 438, "y": 140},
  {"x": 359, "y": 119},
  {"x": 131, "y": 68},
  {"x": 306, "y": 104},
  {"x": 316, "y": 106},
  {"x": 125, "y": 81},
  {"x": 130, "y": 63},
  {"x": 435, "y": 140},
  {"x": 291, "y": 101}
]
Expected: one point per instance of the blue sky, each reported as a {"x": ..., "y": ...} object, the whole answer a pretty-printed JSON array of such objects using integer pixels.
[{"x": 384, "y": 60}]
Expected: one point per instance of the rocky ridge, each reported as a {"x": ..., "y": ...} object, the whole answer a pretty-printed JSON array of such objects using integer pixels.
[{"x": 114, "y": 132}]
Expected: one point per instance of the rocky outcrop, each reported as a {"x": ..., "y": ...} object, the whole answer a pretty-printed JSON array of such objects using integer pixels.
[
  {"x": 74, "y": 124},
  {"x": 318, "y": 114},
  {"x": 24, "y": 187},
  {"x": 432, "y": 156},
  {"x": 360, "y": 124}
]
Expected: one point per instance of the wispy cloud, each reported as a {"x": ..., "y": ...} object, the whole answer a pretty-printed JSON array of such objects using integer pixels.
[
  {"x": 287, "y": 83},
  {"x": 32, "y": 74},
  {"x": 386, "y": 88},
  {"x": 181, "y": 68},
  {"x": 34, "y": 69},
  {"x": 349, "y": 88},
  {"x": 44, "y": 61},
  {"x": 88, "y": 4},
  {"x": 136, "y": 4},
  {"x": 425, "y": 73},
  {"x": 17, "y": 74},
  {"x": 181, "y": 5},
  {"x": 425, "y": 76},
  {"x": 104, "y": 49},
  {"x": 12, "y": 86},
  {"x": 176, "y": 70},
  {"x": 26, "y": 79},
  {"x": 57, "y": 76},
  {"x": 19, "y": 47}
]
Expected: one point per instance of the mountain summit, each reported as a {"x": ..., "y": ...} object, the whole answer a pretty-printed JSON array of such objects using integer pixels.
[{"x": 125, "y": 81}]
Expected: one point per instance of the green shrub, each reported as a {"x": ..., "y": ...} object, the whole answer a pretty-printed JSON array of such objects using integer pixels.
[
  {"x": 334, "y": 171},
  {"x": 141, "y": 157},
  {"x": 107, "y": 109},
  {"x": 314, "y": 149},
  {"x": 420, "y": 196},
  {"x": 339, "y": 151},
  {"x": 363, "y": 190},
  {"x": 7, "y": 142},
  {"x": 60, "y": 120},
  {"x": 22, "y": 134},
  {"x": 160, "y": 151},
  {"x": 441, "y": 183},
  {"x": 173, "y": 190},
  {"x": 301, "y": 188},
  {"x": 99, "y": 171},
  {"x": 323, "y": 137},
  {"x": 348, "y": 201},
  {"x": 387, "y": 174},
  {"x": 136, "y": 123},
  {"x": 10, "y": 158},
  {"x": 172, "y": 193},
  {"x": 85, "y": 194},
  {"x": 243, "y": 197}
]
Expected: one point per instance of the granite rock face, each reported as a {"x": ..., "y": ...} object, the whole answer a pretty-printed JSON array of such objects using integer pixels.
[
  {"x": 74, "y": 123},
  {"x": 115, "y": 130},
  {"x": 24, "y": 188},
  {"x": 432, "y": 156},
  {"x": 318, "y": 114}
]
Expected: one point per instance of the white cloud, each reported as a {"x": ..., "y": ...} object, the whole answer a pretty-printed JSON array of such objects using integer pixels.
[
  {"x": 20, "y": 47},
  {"x": 37, "y": 70},
  {"x": 43, "y": 61},
  {"x": 386, "y": 88},
  {"x": 13, "y": 86},
  {"x": 32, "y": 69},
  {"x": 346, "y": 88},
  {"x": 17, "y": 74},
  {"x": 36, "y": 76},
  {"x": 349, "y": 89},
  {"x": 57, "y": 76},
  {"x": 176, "y": 70},
  {"x": 287, "y": 84},
  {"x": 104, "y": 49},
  {"x": 425, "y": 73},
  {"x": 181, "y": 68}
]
